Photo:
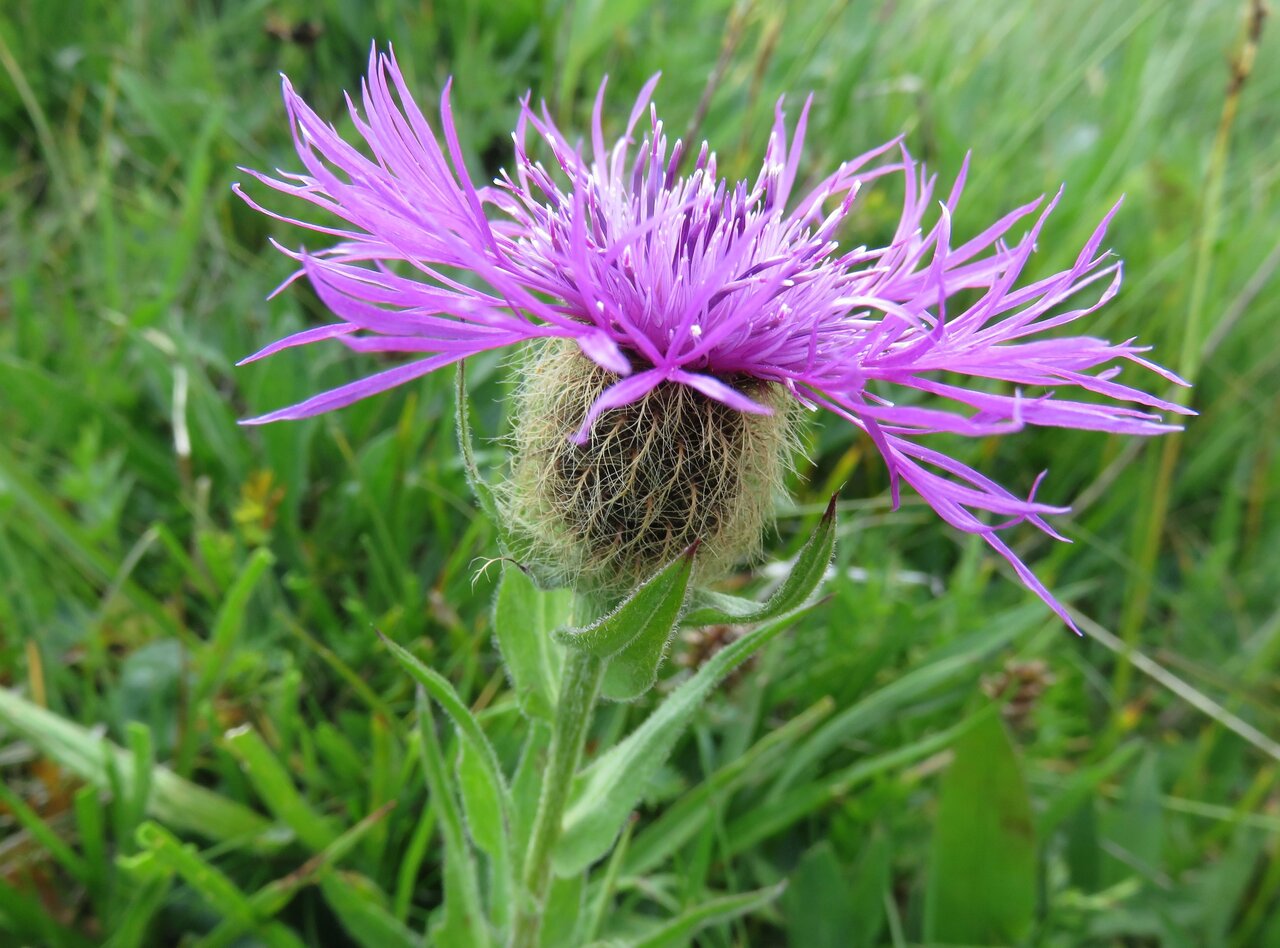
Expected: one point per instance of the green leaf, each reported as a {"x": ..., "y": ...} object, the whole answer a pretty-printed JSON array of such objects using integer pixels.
[
  {"x": 1083, "y": 851},
  {"x": 650, "y": 609},
  {"x": 462, "y": 921},
  {"x": 526, "y": 784},
  {"x": 1136, "y": 828},
  {"x": 1222, "y": 888},
  {"x": 564, "y": 912},
  {"x": 483, "y": 789},
  {"x": 634, "y": 670},
  {"x": 982, "y": 876},
  {"x": 605, "y": 793},
  {"x": 358, "y": 903},
  {"x": 750, "y": 830},
  {"x": 817, "y": 908},
  {"x": 881, "y": 705},
  {"x": 212, "y": 885},
  {"x": 144, "y": 762},
  {"x": 678, "y": 931},
  {"x": 484, "y": 809},
  {"x": 524, "y": 617},
  {"x": 274, "y": 785},
  {"x": 1079, "y": 788},
  {"x": 412, "y": 857},
  {"x": 174, "y": 801},
  {"x": 92, "y": 833},
  {"x": 711, "y": 608},
  {"x": 274, "y": 896},
  {"x": 605, "y": 885},
  {"x": 228, "y": 624},
  {"x": 486, "y": 812},
  {"x": 681, "y": 820},
  {"x": 131, "y": 924},
  {"x": 871, "y": 886},
  {"x": 634, "y": 636}
]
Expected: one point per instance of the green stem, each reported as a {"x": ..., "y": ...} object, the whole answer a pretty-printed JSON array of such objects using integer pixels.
[{"x": 579, "y": 687}]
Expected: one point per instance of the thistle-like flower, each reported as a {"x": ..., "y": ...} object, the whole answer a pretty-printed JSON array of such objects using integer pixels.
[{"x": 679, "y": 316}]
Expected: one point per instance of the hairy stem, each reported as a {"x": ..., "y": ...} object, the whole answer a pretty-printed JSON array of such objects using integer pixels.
[{"x": 578, "y": 689}]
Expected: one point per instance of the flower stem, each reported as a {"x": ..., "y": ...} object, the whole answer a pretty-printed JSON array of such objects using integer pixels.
[{"x": 579, "y": 686}]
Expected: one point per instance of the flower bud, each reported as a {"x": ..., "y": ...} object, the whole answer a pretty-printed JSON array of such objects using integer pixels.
[{"x": 653, "y": 477}]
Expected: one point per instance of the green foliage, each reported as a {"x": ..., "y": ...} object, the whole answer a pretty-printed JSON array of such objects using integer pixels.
[
  {"x": 633, "y": 637},
  {"x": 154, "y": 790},
  {"x": 803, "y": 577},
  {"x": 982, "y": 874},
  {"x": 201, "y": 736},
  {"x": 523, "y": 619},
  {"x": 826, "y": 909},
  {"x": 606, "y": 791}
]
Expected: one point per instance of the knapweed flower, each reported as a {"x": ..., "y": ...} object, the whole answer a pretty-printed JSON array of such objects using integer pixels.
[{"x": 679, "y": 314}]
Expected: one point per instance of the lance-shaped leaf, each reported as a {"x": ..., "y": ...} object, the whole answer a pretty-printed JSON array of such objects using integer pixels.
[
  {"x": 359, "y": 906},
  {"x": 462, "y": 921},
  {"x": 634, "y": 636},
  {"x": 943, "y": 668},
  {"x": 680, "y": 929},
  {"x": 523, "y": 619},
  {"x": 274, "y": 784},
  {"x": 698, "y": 806},
  {"x": 826, "y": 907},
  {"x": 478, "y": 777},
  {"x": 712, "y": 608},
  {"x": 605, "y": 793},
  {"x": 212, "y": 885},
  {"x": 750, "y": 830},
  {"x": 177, "y": 802},
  {"x": 982, "y": 879}
]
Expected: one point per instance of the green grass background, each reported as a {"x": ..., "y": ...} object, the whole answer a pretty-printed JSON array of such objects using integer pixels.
[{"x": 204, "y": 596}]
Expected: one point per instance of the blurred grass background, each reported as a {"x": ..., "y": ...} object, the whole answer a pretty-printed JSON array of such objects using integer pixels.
[{"x": 186, "y": 607}]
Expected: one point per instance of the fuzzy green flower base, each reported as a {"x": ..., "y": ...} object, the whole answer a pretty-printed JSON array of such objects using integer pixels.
[{"x": 655, "y": 476}]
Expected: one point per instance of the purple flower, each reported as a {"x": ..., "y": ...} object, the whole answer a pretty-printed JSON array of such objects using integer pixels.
[{"x": 664, "y": 277}]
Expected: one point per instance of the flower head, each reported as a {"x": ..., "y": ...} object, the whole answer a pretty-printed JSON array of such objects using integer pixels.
[{"x": 733, "y": 291}]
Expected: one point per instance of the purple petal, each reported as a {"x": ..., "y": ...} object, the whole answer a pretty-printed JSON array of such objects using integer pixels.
[
  {"x": 345, "y": 395},
  {"x": 615, "y": 396}
]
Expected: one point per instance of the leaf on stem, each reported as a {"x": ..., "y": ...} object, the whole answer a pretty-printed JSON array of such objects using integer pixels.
[
  {"x": 524, "y": 617},
  {"x": 634, "y": 636},
  {"x": 484, "y": 793},
  {"x": 712, "y": 608},
  {"x": 605, "y": 793}
]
